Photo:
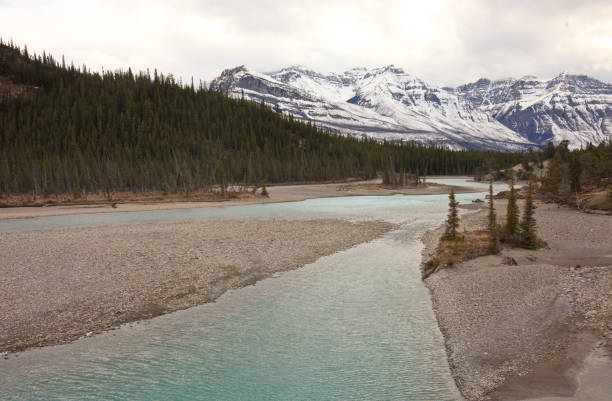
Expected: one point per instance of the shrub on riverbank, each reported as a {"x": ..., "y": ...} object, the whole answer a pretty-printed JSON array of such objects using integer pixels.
[{"x": 470, "y": 245}]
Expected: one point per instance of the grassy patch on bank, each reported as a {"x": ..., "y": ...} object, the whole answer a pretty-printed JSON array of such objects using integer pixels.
[{"x": 469, "y": 245}]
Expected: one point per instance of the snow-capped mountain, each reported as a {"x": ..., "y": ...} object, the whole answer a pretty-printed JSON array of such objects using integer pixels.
[
  {"x": 384, "y": 103},
  {"x": 576, "y": 108}
]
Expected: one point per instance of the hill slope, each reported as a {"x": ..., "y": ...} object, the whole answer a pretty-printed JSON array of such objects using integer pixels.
[{"x": 68, "y": 130}]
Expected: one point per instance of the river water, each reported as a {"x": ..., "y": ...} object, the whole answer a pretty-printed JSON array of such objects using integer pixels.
[{"x": 354, "y": 325}]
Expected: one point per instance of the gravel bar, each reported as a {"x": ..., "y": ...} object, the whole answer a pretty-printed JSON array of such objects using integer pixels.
[
  {"x": 58, "y": 285},
  {"x": 522, "y": 331}
]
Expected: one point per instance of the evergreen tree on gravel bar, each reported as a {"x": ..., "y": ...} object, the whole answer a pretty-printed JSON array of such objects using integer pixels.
[
  {"x": 512, "y": 232},
  {"x": 492, "y": 223},
  {"x": 452, "y": 221},
  {"x": 529, "y": 238}
]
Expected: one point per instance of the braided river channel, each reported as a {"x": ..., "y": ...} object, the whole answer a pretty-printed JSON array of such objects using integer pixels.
[{"x": 355, "y": 325}]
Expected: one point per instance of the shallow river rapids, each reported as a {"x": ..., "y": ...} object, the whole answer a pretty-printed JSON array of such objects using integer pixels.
[{"x": 357, "y": 324}]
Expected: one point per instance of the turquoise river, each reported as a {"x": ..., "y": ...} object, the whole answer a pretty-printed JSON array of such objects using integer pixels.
[{"x": 355, "y": 325}]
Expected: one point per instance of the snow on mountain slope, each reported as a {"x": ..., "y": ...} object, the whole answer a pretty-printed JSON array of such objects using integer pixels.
[
  {"x": 329, "y": 87},
  {"x": 413, "y": 103},
  {"x": 384, "y": 103},
  {"x": 576, "y": 108}
]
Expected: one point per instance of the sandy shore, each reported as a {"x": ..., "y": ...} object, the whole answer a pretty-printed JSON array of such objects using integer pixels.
[
  {"x": 58, "y": 285},
  {"x": 281, "y": 193},
  {"x": 536, "y": 330}
]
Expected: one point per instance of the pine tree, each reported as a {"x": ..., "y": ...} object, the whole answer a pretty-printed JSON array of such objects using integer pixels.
[
  {"x": 549, "y": 152},
  {"x": 452, "y": 221},
  {"x": 550, "y": 184},
  {"x": 386, "y": 177},
  {"x": 492, "y": 223},
  {"x": 610, "y": 193},
  {"x": 512, "y": 230},
  {"x": 529, "y": 239},
  {"x": 575, "y": 170}
]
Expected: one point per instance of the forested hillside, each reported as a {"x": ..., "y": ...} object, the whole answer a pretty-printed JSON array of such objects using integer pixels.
[
  {"x": 579, "y": 177},
  {"x": 65, "y": 129}
]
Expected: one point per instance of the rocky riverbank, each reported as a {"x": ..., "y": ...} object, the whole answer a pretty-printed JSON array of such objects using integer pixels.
[
  {"x": 278, "y": 193},
  {"x": 58, "y": 285},
  {"x": 528, "y": 324}
]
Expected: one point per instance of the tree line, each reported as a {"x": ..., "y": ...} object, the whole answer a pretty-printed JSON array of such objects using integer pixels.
[
  {"x": 70, "y": 130},
  {"x": 516, "y": 232},
  {"x": 572, "y": 173}
]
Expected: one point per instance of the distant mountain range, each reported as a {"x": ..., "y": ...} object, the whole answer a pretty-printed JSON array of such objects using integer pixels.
[{"x": 388, "y": 103}]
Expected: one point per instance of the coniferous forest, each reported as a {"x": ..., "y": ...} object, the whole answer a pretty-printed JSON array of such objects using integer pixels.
[
  {"x": 65, "y": 129},
  {"x": 576, "y": 177}
]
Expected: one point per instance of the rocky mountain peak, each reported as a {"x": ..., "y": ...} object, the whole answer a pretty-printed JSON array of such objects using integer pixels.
[{"x": 386, "y": 102}]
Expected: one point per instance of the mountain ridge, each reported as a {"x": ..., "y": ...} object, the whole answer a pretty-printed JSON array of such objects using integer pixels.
[{"x": 388, "y": 103}]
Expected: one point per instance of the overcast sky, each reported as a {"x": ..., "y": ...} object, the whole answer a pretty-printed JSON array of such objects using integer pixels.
[{"x": 443, "y": 42}]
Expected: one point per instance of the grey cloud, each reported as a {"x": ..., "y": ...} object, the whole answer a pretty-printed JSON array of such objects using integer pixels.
[{"x": 444, "y": 42}]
